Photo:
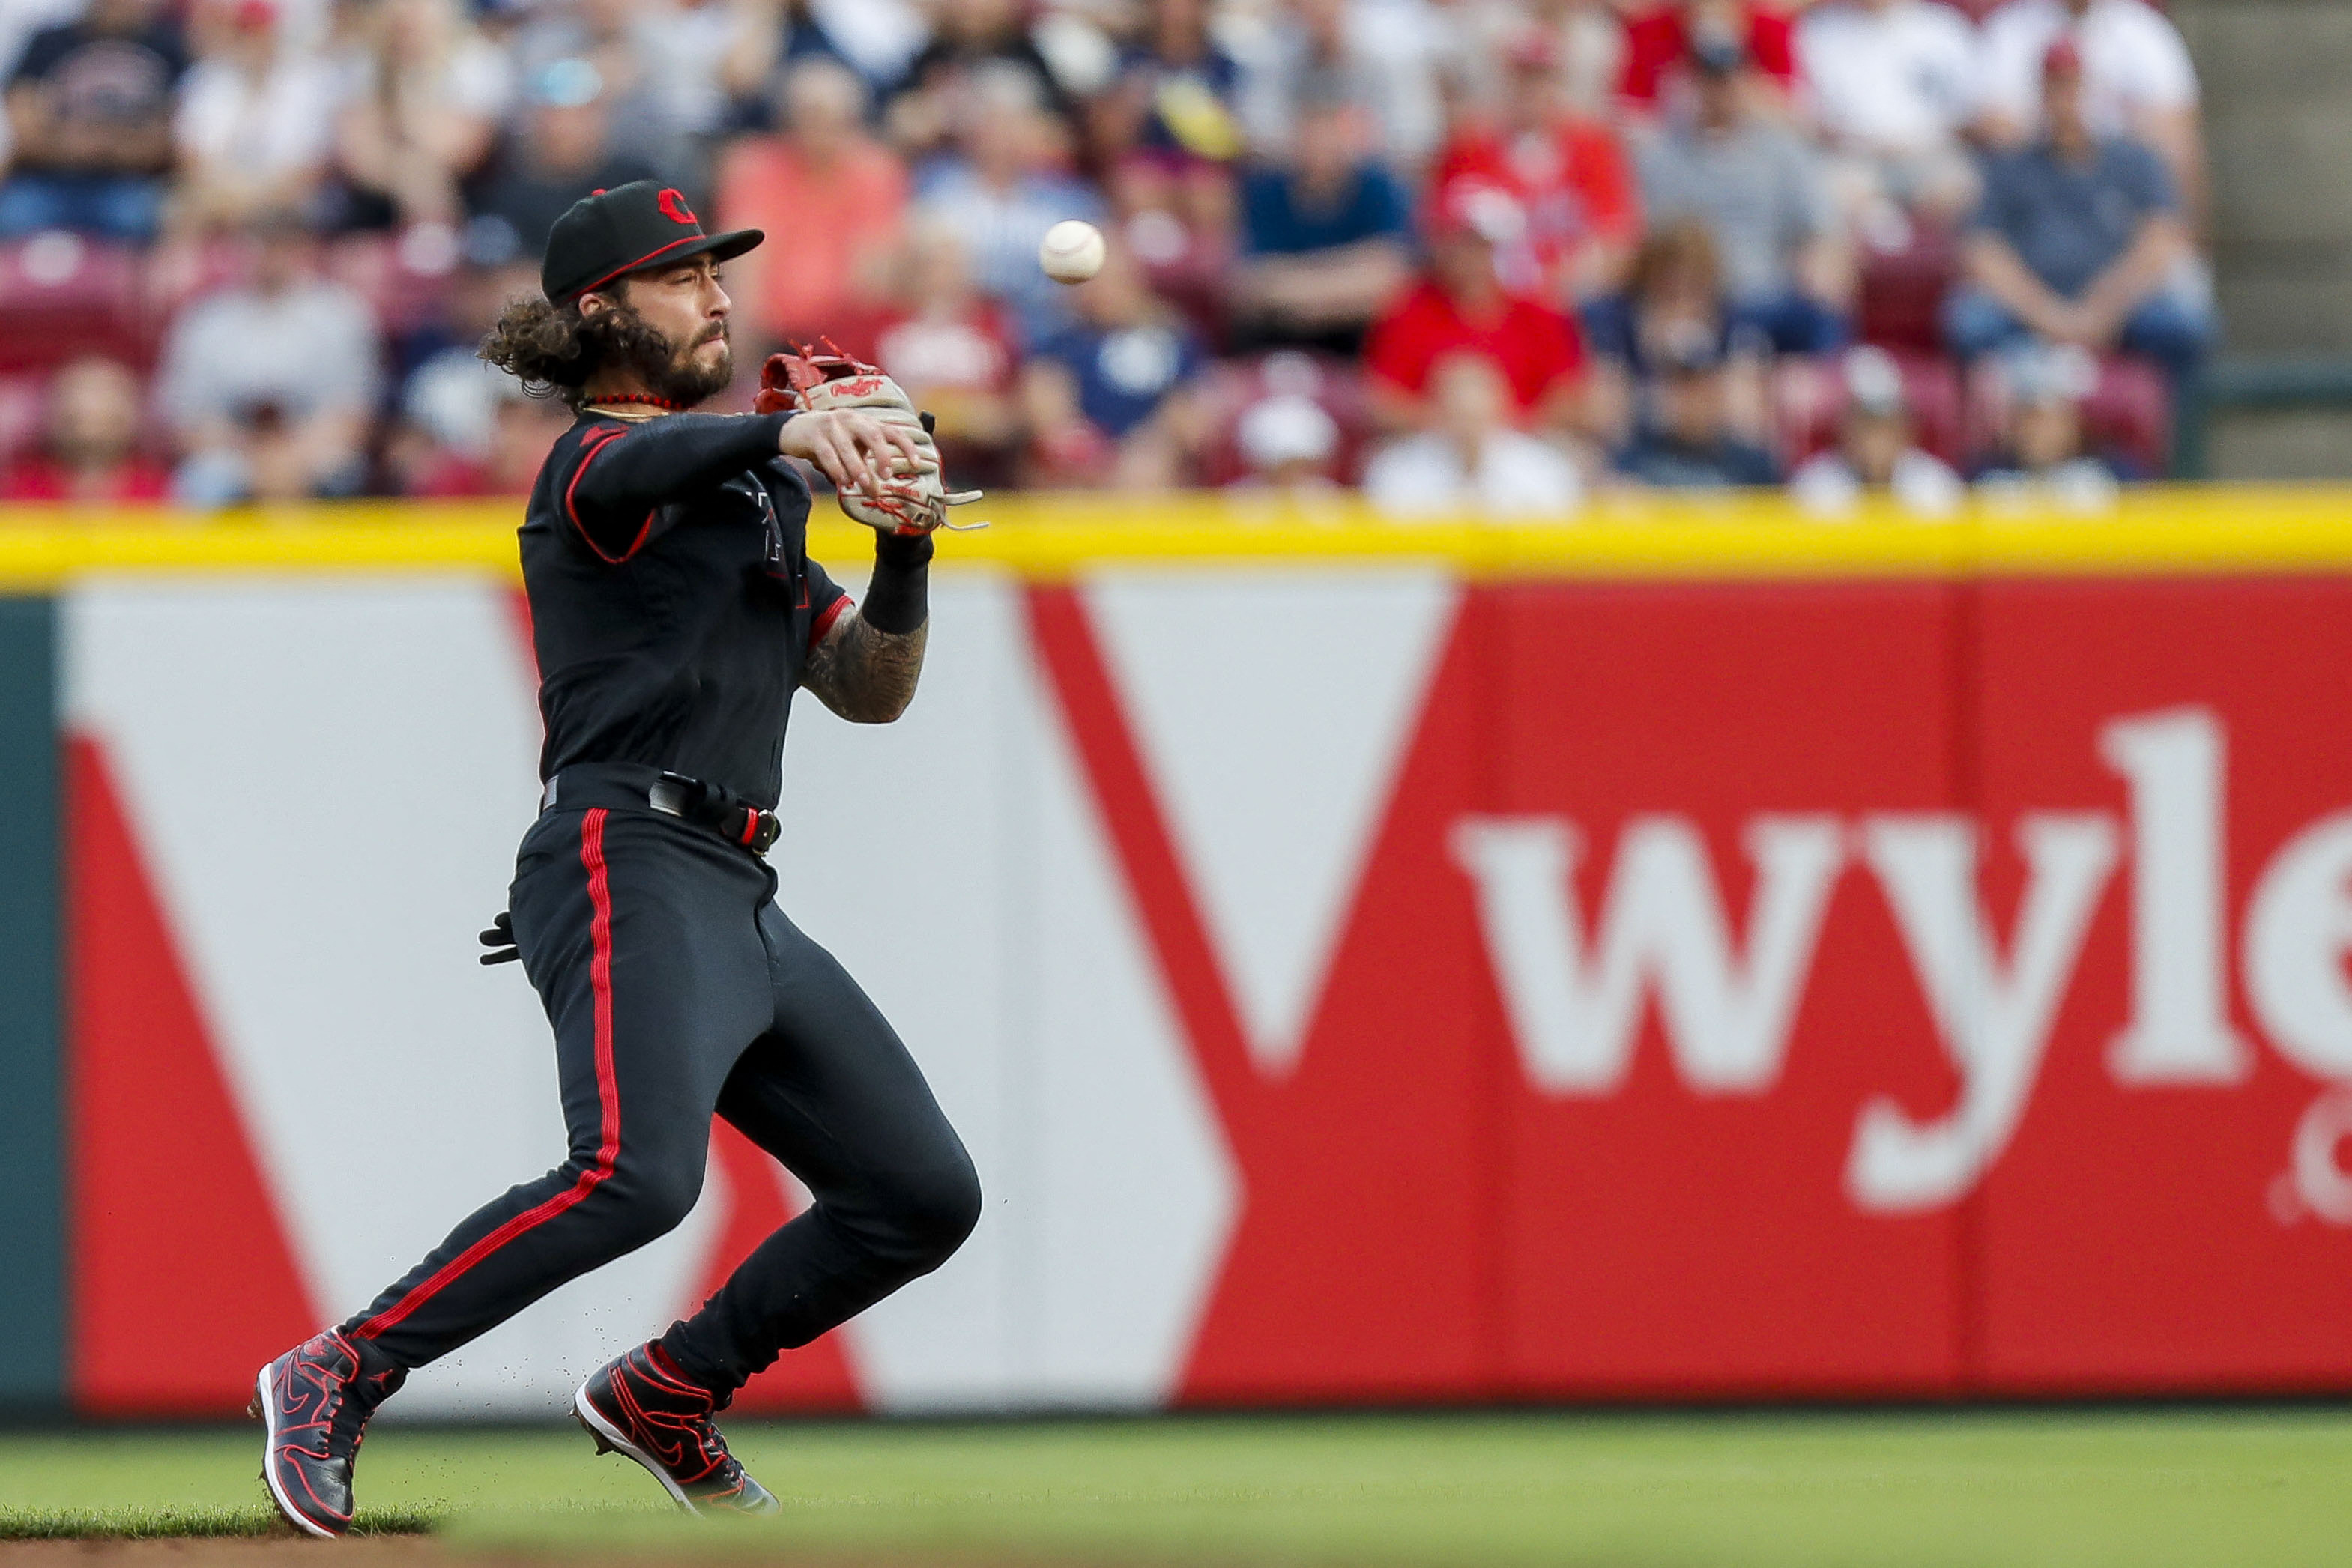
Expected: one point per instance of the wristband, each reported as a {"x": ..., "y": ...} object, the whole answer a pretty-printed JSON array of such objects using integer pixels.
[{"x": 898, "y": 601}]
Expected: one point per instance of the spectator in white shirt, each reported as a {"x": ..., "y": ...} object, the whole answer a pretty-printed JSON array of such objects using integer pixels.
[
  {"x": 1874, "y": 455},
  {"x": 255, "y": 123},
  {"x": 2137, "y": 78},
  {"x": 1891, "y": 85},
  {"x": 267, "y": 387},
  {"x": 1474, "y": 459},
  {"x": 1289, "y": 441}
]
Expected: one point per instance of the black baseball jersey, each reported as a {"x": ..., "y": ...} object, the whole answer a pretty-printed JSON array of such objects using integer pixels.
[{"x": 673, "y": 603}]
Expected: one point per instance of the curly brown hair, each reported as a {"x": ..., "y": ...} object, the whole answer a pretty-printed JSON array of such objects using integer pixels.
[{"x": 552, "y": 350}]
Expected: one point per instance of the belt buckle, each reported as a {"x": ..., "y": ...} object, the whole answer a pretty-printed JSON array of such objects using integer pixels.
[
  {"x": 765, "y": 834},
  {"x": 671, "y": 794}
]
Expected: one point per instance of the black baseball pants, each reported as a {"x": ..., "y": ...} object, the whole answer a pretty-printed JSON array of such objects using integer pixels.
[{"x": 678, "y": 989}]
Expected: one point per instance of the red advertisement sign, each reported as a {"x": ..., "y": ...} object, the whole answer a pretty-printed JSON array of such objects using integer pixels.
[{"x": 1814, "y": 989}]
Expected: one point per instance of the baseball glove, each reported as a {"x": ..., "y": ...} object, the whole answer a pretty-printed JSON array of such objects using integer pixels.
[{"x": 811, "y": 381}]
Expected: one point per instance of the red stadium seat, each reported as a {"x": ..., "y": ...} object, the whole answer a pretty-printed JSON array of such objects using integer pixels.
[
  {"x": 384, "y": 273},
  {"x": 1185, "y": 269},
  {"x": 23, "y": 401},
  {"x": 1806, "y": 401},
  {"x": 2128, "y": 418},
  {"x": 62, "y": 297},
  {"x": 1933, "y": 384},
  {"x": 1902, "y": 292},
  {"x": 177, "y": 274}
]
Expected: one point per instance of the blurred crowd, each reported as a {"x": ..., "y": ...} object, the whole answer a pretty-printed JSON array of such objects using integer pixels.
[{"x": 1501, "y": 253}]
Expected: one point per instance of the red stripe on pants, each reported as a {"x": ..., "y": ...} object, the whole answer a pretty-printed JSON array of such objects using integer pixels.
[{"x": 608, "y": 1094}]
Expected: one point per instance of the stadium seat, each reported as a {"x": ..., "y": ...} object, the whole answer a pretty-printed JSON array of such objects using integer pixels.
[
  {"x": 22, "y": 403},
  {"x": 1186, "y": 270},
  {"x": 1902, "y": 292},
  {"x": 383, "y": 273},
  {"x": 62, "y": 296},
  {"x": 2128, "y": 418},
  {"x": 173, "y": 275}
]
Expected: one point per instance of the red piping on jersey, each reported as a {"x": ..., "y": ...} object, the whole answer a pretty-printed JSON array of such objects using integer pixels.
[
  {"x": 608, "y": 1095},
  {"x": 824, "y": 620},
  {"x": 645, "y": 260},
  {"x": 593, "y": 444}
]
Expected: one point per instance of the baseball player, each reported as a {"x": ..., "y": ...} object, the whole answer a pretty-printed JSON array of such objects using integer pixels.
[{"x": 673, "y": 610}]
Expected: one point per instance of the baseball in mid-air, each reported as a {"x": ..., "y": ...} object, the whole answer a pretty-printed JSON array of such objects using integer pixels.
[{"x": 1072, "y": 251}]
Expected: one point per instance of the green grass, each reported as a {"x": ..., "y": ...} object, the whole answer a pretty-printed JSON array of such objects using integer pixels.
[
  {"x": 140, "y": 1522},
  {"x": 1915, "y": 1489}
]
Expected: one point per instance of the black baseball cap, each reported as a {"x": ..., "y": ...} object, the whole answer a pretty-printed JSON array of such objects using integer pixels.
[{"x": 623, "y": 230}]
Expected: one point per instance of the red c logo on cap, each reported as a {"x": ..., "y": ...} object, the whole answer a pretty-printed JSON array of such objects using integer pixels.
[{"x": 674, "y": 207}]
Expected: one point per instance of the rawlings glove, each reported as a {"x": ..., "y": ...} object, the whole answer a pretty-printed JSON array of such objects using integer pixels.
[{"x": 809, "y": 382}]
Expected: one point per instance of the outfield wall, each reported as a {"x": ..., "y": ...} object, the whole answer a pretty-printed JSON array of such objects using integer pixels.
[{"x": 1690, "y": 954}]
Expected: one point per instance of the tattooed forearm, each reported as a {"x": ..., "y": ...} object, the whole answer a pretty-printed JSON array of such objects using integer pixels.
[{"x": 865, "y": 676}]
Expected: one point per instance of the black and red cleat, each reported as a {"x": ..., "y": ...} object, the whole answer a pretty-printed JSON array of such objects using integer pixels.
[
  {"x": 642, "y": 1406},
  {"x": 315, "y": 1401}
]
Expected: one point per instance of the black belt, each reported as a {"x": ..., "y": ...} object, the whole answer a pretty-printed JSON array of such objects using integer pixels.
[{"x": 630, "y": 786}]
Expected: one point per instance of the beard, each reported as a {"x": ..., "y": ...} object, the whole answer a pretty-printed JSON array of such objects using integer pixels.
[{"x": 670, "y": 370}]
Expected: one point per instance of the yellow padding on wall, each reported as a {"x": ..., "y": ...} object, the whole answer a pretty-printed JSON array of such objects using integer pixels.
[{"x": 2157, "y": 531}]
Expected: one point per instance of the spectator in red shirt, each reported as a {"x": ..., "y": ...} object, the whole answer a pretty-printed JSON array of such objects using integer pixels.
[
  {"x": 840, "y": 194},
  {"x": 1658, "y": 45},
  {"x": 90, "y": 451},
  {"x": 1460, "y": 303},
  {"x": 1569, "y": 173}
]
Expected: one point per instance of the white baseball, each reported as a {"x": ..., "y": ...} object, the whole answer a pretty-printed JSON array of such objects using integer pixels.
[{"x": 1072, "y": 251}]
